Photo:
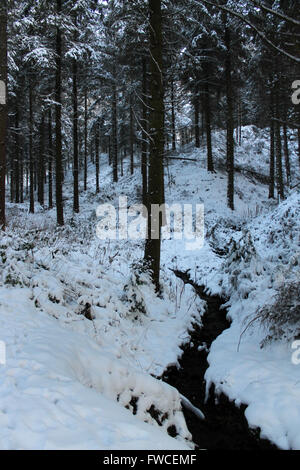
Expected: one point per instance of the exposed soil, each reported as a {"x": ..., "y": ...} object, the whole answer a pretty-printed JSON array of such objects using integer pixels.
[{"x": 225, "y": 426}]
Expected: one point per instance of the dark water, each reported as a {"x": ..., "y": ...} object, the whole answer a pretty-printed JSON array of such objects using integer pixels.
[{"x": 225, "y": 426}]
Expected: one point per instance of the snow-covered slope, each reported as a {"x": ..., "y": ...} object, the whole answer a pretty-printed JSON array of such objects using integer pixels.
[
  {"x": 265, "y": 378},
  {"x": 82, "y": 323},
  {"x": 57, "y": 388},
  {"x": 85, "y": 332}
]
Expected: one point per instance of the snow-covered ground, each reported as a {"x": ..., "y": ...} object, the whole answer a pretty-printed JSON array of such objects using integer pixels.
[
  {"x": 58, "y": 388},
  {"x": 266, "y": 257},
  {"x": 243, "y": 363},
  {"x": 86, "y": 335},
  {"x": 83, "y": 333}
]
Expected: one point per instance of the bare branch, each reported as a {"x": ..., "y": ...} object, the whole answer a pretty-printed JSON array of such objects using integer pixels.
[
  {"x": 251, "y": 25},
  {"x": 276, "y": 13}
]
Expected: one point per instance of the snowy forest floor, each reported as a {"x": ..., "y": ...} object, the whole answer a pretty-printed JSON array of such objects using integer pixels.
[{"x": 86, "y": 335}]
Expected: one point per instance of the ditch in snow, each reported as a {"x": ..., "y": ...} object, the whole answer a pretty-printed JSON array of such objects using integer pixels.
[{"x": 225, "y": 425}]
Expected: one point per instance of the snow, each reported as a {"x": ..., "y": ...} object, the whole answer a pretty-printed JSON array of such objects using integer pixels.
[
  {"x": 85, "y": 332},
  {"x": 86, "y": 336},
  {"x": 55, "y": 392},
  {"x": 239, "y": 366},
  {"x": 264, "y": 379}
]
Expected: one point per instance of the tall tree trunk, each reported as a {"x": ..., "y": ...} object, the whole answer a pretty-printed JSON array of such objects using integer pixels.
[
  {"x": 131, "y": 138},
  {"x": 114, "y": 131},
  {"x": 21, "y": 166},
  {"x": 240, "y": 122},
  {"x": 27, "y": 180},
  {"x": 279, "y": 176},
  {"x": 41, "y": 168},
  {"x": 50, "y": 156},
  {"x": 156, "y": 151},
  {"x": 230, "y": 122},
  {"x": 109, "y": 151},
  {"x": 58, "y": 100},
  {"x": 287, "y": 155},
  {"x": 85, "y": 140},
  {"x": 31, "y": 162},
  {"x": 35, "y": 175},
  {"x": 97, "y": 157},
  {"x": 144, "y": 158},
  {"x": 17, "y": 156},
  {"x": 75, "y": 137},
  {"x": 22, "y": 180},
  {"x": 173, "y": 117},
  {"x": 207, "y": 113},
  {"x": 197, "y": 129},
  {"x": 3, "y": 107},
  {"x": 122, "y": 158},
  {"x": 12, "y": 179},
  {"x": 272, "y": 148},
  {"x": 299, "y": 138}
]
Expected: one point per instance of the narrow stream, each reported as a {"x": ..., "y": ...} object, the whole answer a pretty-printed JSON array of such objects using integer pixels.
[{"x": 225, "y": 426}]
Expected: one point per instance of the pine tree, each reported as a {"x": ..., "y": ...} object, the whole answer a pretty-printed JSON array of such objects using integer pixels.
[
  {"x": 3, "y": 107},
  {"x": 230, "y": 125},
  {"x": 156, "y": 143},
  {"x": 58, "y": 118}
]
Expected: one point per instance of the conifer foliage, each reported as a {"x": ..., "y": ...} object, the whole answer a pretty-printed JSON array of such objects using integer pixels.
[{"x": 137, "y": 80}]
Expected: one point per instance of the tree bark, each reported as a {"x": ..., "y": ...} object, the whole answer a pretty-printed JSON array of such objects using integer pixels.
[
  {"x": 207, "y": 113},
  {"x": 41, "y": 168},
  {"x": 173, "y": 117},
  {"x": 230, "y": 122},
  {"x": 17, "y": 156},
  {"x": 299, "y": 138},
  {"x": 75, "y": 136},
  {"x": 58, "y": 132},
  {"x": 299, "y": 144},
  {"x": 114, "y": 131},
  {"x": 22, "y": 179},
  {"x": 144, "y": 155},
  {"x": 287, "y": 156},
  {"x": 85, "y": 140},
  {"x": 272, "y": 149},
  {"x": 3, "y": 108},
  {"x": 31, "y": 163},
  {"x": 197, "y": 129},
  {"x": 97, "y": 157},
  {"x": 279, "y": 176},
  {"x": 156, "y": 150},
  {"x": 131, "y": 139},
  {"x": 50, "y": 156}
]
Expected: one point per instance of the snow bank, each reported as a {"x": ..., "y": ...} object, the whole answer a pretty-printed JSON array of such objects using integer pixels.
[
  {"x": 84, "y": 337},
  {"x": 96, "y": 328},
  {"x": 266, "y": 379},
  {"x": 55, "y": 392}
]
